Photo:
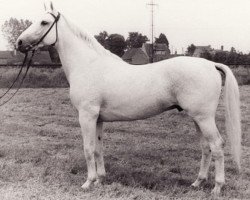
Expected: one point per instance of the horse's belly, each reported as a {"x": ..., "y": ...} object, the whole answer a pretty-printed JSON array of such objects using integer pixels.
[
  {"x": 132, "y": 111},
  {"x": 135, "y": 95},
  {"x": 126, "y": 115}
]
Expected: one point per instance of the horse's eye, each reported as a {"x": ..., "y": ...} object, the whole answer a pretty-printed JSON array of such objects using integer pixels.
[{"x": 44, "y": 23}]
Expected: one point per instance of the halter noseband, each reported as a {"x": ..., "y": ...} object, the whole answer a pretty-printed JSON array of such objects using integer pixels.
[{"x": 42, "y": 38}]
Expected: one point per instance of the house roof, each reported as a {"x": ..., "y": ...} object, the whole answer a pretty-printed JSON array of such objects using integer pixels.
[
  {"x": 157, "y": 47},
  {"x": 136, "y": 56},
  {"x": 201, "y": 49},
  {"x": 204, "y": 47},
  {"x": 160, "y": 47},
  {"x": 147, "y": 48},
  {"x": 131, "y": 52}
]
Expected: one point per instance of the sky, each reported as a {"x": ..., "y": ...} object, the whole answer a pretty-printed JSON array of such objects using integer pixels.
[{"x": 201, "y": 22}]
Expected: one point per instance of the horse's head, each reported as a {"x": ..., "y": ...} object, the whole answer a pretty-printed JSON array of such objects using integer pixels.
[{"x": 41, "y": 33}]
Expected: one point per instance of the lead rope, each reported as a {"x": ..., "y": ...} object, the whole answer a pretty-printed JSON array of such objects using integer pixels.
[
  {"x": 25, "y": 74},
  {"x": 17, "y": 77}
]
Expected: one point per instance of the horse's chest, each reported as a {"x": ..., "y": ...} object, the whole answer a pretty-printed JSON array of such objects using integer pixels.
[{"x": 84, "y": 95}]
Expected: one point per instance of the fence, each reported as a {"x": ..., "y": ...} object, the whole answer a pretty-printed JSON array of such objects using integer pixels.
[{"x": 34, "y": 65}]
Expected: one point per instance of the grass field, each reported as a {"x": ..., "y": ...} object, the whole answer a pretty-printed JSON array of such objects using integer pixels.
[
  {"x": 41, "y": 153},
  {"x": 36, "y": 78}
]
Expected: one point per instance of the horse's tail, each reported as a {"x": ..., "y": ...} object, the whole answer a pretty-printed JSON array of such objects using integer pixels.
[{"x": 233, "y": 116}]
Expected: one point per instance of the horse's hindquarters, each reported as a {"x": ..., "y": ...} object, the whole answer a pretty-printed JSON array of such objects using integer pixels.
[{"x": 199, "y": 94}]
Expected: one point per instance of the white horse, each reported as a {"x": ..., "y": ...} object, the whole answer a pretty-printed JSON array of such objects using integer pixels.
[{"x": 104, "y": 88}]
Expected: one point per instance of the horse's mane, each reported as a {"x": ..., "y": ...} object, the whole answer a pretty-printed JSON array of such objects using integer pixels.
[{"x": 87, "y": 38}]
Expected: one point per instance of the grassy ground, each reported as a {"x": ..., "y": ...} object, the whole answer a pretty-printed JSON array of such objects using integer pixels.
[
  {"x": 36, "y": 77},
  {"x": 41, "y": 154},
  {"x": 242, "y": 74}
]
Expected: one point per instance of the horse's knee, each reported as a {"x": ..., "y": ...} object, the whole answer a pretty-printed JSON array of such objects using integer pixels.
[
  {"x": 217, "y": 148},
  {"x": 206, "y": 150},
  {"x": 89, "y": 153}
]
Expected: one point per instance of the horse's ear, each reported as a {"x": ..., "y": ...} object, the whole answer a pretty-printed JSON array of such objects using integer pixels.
[{"x": 48, "y": 6}]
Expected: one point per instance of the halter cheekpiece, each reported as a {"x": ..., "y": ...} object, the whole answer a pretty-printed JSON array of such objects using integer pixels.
[{"x": 54, "y": 23}]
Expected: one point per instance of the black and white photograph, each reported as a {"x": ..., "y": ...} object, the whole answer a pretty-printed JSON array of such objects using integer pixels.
[{"x": 124, "y": 100}]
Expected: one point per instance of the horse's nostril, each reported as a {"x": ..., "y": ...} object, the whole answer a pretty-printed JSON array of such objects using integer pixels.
[{"x": 20, "y": 42}]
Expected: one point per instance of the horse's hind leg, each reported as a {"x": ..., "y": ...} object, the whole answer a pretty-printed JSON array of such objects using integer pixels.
[
  {"x": 212, "y": 137},
  {"x": 205, "y": 160},
  {"x": 100, "y": 168}
]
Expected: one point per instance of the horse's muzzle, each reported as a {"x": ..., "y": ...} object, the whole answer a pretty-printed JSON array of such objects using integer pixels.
[{"x": 22, "y": 46}]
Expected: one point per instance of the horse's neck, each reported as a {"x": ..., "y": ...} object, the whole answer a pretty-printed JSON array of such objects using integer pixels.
[{"x": 75, "y": 53}]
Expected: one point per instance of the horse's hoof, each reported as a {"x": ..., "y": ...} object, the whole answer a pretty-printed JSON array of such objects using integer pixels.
[
  {"x": 216, "y": 192},
  {"x": 98, "y": 182},
  {"x": 87, "y": 185},
  {"x": 198, "y": 182},
  {"x": 195, "y": 184}
]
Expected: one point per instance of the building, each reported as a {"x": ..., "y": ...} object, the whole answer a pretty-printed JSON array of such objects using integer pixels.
[
  {"x": 135, "y": 56},
  {"x": 161, "y": 51},
  {"x": 199, "y": 50},
  {"x": 220, "y": 50},
  {"x": 143, "y": 55}
]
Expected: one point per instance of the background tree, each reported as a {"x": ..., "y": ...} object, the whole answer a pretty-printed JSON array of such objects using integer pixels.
[
  {"x": 207, "y": 55},
  {"x": 232, "y": 58},
  {"x": 220, "y": 57},
  {"x": 116, "y": 44},
  {"x": 12, "y": 28},
  {"x": 241, "y": 58},
  {"x": 247, "y": 59},
  {"x": 191, "y": 49},
  {"x": 235, "y": 58},
  {"x": 162, "y": 39},
  {"x": 102, "y": 38},
  {"x": 136, "y": 40}
]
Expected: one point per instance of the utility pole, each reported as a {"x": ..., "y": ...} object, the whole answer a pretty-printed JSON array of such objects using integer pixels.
[{"x": 152, "y": 4}]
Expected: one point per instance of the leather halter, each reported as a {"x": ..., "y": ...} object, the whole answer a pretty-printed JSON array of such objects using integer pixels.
[{"x": 42, "y": 38}]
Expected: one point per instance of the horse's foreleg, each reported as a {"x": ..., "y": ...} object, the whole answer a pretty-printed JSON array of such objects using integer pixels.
[
  {"x": 205, "y": 160},
  {"x": 100, "y": 168},
  {"x": 88, "y": 126}
]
